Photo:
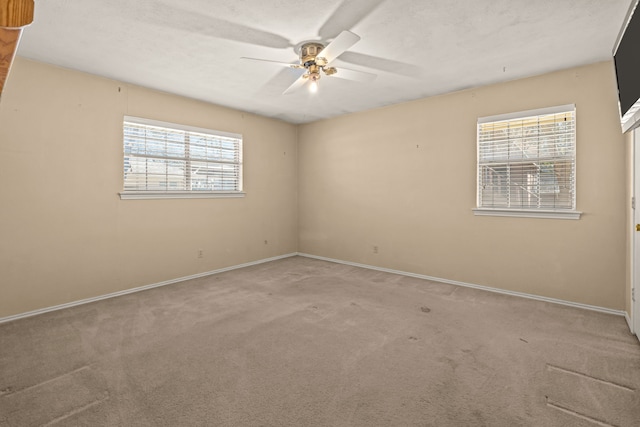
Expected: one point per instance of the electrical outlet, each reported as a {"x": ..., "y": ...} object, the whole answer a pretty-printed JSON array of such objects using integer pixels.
[
  {"x": 375, "y": 249},
  {"x": 200, "y": 253}
]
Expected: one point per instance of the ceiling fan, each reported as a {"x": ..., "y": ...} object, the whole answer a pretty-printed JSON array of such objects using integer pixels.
[{"x": 315, "y": 58}]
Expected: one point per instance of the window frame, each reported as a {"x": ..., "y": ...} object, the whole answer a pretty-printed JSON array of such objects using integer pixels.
[
  {"x": 479, "y": 210},
  {"x": 182, "y": 194}
]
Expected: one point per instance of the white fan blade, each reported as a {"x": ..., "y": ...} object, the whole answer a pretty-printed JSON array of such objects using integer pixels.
[
  {"x": 339, "y": 45},
  {"x": 347, "y": 15},
  {"x": 282, "y": 64},
  {"x": 359, "y": 76},
  {"x": 296, "y": 85}
]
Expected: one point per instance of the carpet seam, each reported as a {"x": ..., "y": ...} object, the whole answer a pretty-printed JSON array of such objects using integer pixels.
[
  {"x": 580, "y": 374},
  {"x": 76, "y": 411},
  {"x": 579, "y": 415},
  {"x": 45, "y": 382}
]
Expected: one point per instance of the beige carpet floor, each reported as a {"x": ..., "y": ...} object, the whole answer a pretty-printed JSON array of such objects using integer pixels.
[{"x": 302, "y": 342}]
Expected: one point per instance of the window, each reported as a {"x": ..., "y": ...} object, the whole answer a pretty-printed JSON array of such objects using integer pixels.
[
  {"x": 527, "y": 164},
  {"x": 165, "y": 160}
]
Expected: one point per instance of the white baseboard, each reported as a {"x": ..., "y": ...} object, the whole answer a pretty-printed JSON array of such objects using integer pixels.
[
  {"x": 354, "y": 264},
  {"x": 471, "y": 285},
  {"x": 140, "y": 288}
]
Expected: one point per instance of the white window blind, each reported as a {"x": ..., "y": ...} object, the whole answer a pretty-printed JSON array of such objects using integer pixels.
[
  {"x": 162, "y": 157},
  {"x": 527, "y": 161}
]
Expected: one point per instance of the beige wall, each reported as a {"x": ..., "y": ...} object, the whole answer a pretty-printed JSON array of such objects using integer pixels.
[
  {"x": 403, "y": 178},
  {"x": 64, "y": 233}
]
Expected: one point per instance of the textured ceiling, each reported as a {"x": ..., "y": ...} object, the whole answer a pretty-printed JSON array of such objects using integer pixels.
[{"x": 417, "y": 48}]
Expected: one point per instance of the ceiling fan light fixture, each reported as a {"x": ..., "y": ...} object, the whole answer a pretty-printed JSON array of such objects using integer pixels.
[
  {"x": 330, "y": 71},
  {"x": 314, "y": 77}
]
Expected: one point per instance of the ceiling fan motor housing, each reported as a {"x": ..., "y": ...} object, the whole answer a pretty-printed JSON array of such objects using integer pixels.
[{"x": 309, "y": 52}]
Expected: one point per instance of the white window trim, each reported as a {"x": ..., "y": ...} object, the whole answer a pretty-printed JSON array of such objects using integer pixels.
[
  {"x": 148, "y": 195},
  {"x": 631, "y": 120},
  {"x": 527, "y": 113},
  {"x": 527, "y": 213},
  {"x": 145, "y": 195}
]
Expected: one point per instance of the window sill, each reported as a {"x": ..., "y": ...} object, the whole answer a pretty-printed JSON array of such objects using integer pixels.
[
  {"x": 527, "y": 213},
  {"x": 142, "y": 195}
]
